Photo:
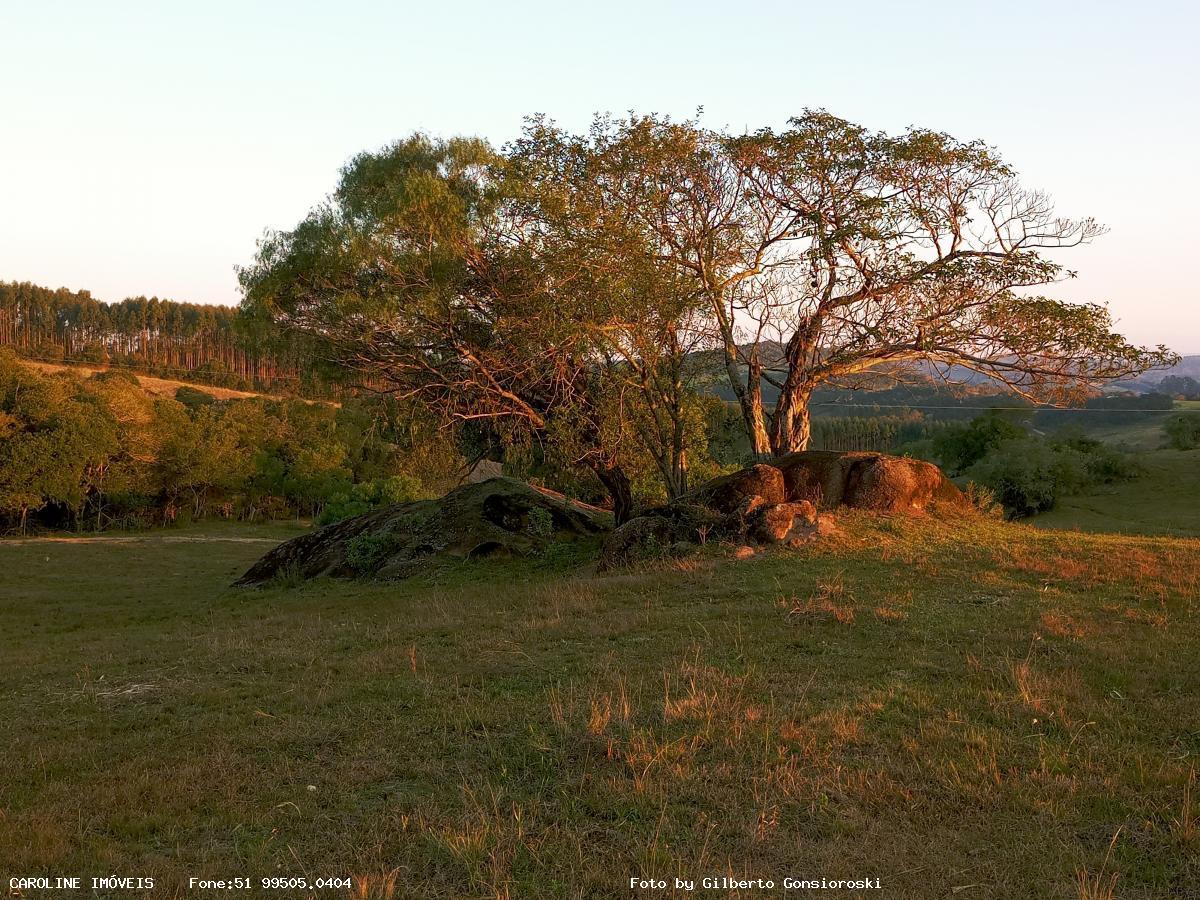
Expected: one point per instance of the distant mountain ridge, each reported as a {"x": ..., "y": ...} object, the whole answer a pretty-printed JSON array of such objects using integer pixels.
[{"x": 1188, "y": 367}]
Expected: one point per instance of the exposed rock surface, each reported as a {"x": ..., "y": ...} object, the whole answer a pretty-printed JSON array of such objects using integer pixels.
[
  {"x": 640, "y": 537},
  {"x": 497, "y": 517},
  {"x": 772, "y": 523},
  {"x": 875, "y": 481},
  {"x": 727, "y": 492},
  {"x": 763, "y": 504},
  {"x": 778, "y": 502}
]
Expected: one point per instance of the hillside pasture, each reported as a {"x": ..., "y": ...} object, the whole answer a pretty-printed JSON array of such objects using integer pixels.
[
  {"x": 1011, "y": 715},
  {"x": 1164, "y": 499}
]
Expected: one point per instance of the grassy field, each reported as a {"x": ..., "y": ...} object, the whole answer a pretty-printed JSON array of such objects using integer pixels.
[
  {"x": 993, "y": 712},
  {"x": 155, "y": 387},
  {"x": 1164, "y": 499}
]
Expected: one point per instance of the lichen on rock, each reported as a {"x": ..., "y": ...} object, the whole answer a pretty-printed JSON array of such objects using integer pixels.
[{"x": 496, "y": 517}]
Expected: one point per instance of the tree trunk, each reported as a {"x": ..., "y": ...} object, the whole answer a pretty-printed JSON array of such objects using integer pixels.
[
  {"x": 749, "y": 391},
  {"x": 756, "y": 421},
  {"x": 616, "y": 482},
  {"x": 792, "y": 426},
  {"x": 749, "y": 396},
  {"x": 801, "y": 428}
]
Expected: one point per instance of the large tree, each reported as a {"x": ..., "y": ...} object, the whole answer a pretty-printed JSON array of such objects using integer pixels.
[
  {"x": 568, "y": 287},
  {"x": 413, "y": 277},
  {"x": 826, "y": 252}
]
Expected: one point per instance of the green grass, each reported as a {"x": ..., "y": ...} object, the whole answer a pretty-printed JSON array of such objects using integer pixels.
[
  {"x": 1143, "y": 434},
  {"x": 972, "y": 709},
  {"x": 1163, "y": 500}
]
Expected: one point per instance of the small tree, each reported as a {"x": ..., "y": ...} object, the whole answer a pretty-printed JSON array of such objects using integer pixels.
[{"x": 1183, "y": 431}]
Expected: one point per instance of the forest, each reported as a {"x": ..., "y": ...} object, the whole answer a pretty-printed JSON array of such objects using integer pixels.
[{"x": 159, "y": 337}]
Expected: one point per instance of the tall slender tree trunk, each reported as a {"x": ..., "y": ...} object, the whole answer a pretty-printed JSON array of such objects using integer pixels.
[{"x": 749, "y": 397}]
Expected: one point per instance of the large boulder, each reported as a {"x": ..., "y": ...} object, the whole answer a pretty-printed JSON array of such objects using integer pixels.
[
  {"x": 874, "y": 481},
  {"x": 778, "y": 502},
  {"x": 496, "y": 517},
  {"x": 727, "y": 493}
]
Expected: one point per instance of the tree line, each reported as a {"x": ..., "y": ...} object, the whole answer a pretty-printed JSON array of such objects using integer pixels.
[
  {"x": 161, "y": 337},
  {"x": 581, "y": 290},
  {"x": 881, "y": 434}
]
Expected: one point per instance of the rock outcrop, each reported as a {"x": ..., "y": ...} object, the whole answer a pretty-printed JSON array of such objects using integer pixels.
[
  {"x": 727, "y": 492},
  {"x": 773, "y": 523},
  {"x": 496, "y": 517},
  {"x": 764, "y": 504},
  {"x": 874, "y": 481},
  {"x": 777, "y": 502}
]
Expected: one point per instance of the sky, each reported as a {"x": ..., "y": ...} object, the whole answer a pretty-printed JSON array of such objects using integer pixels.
[{"x": 146, "y": 147}]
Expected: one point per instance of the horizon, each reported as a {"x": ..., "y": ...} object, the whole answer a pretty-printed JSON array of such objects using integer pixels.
[{"x": 167, "y": 142}]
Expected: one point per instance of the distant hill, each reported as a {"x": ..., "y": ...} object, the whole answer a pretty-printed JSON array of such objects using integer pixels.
[
  {"x": 1189, "y": 367},
  {"x": 970, "y": 381}
]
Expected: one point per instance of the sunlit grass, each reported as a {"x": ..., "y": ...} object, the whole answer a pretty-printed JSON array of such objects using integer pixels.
[{"x": 978, "y": 706}]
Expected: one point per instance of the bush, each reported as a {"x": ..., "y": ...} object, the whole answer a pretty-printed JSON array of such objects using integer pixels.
[
  {"x": 958, "y": 447},
  {"x": 398, "y": 489},
  {"x": 1103, "y": 464},
  {"x": 541, "y": 522},
  {"x": 366, "y": 552},
  {"x": 193, "y": 398},
  {"x": 1183, "y": 431},
  {"x": 1029, "y": 475},
  {"x": 362, "y": 498}
]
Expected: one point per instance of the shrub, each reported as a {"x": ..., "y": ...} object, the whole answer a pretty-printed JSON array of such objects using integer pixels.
[
  {"x": 342, "y": 506},
  {"x": 193, "y": 398},
  {"x": 1029, "y": 475},
  {"x": 363, "y": 498},
  {"x": 366, "y": 552},
  {"x": 1102, "y": 464},
  {"x": 541, "y": 522},
  {"x": 398, "y": 489},
  {"x": 959, "y": 447},
  {"x": 1183, "y": 431}
]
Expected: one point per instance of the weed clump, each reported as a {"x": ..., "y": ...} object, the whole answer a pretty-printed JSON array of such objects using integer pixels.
[{"x": 366, "y": 552}]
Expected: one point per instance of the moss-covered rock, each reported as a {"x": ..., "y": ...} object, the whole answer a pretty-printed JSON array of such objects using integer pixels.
[{"x": 497, "y": 517}]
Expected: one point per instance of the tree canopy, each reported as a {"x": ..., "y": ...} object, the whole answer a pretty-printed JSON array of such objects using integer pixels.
[{"x": 579, "y": 287}]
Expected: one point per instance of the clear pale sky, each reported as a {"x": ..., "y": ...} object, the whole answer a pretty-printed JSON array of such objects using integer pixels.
[{"x": 144, "y": 147}]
